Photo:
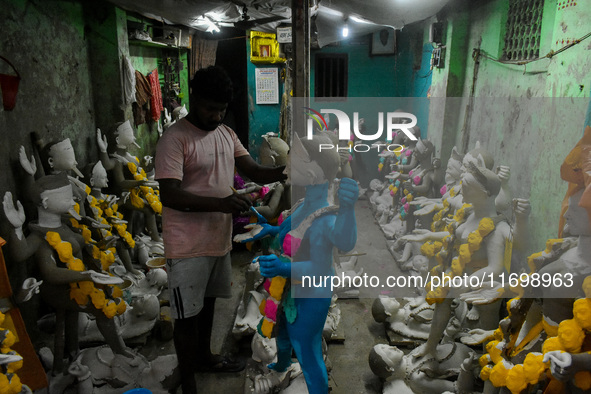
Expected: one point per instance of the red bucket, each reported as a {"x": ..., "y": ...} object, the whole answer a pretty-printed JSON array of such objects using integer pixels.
[{"x": 9, "y": 86}]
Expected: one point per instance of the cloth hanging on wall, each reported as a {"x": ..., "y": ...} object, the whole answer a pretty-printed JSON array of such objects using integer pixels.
[
  {"x": 156, "y": 99},
  {"x": 128, "y": 81},
  {"x": 143, "y": 93},
  {"x": 143, "y": 90},
  {"x": 203, "y": 53}
]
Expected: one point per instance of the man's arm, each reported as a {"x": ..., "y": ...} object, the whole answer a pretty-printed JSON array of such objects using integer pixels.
[
  {"x": 258, "y": 173},
  {"x": 173, "y": 196}
]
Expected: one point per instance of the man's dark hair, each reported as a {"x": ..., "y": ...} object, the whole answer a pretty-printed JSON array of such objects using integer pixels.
[{"x": 212, "y": 83}]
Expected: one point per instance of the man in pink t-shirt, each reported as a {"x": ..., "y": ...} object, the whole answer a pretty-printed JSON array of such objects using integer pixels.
[{"x": 195, "y": 160}]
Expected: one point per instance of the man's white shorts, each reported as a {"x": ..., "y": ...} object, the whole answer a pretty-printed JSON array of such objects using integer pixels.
[{"x": 192, "y": 279}]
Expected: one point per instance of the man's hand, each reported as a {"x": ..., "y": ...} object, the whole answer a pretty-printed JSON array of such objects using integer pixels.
[{"x": 235, "y": 203}]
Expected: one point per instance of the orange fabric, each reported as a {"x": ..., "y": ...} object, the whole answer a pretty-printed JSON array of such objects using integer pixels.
[{"x": 576, "y": 170}]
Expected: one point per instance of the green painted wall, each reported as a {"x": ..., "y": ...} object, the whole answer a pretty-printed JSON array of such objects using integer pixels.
[
  {"x": 145, "y": 59},
  {"x": 405, "y": 74},
  {"x": 68, "y": 54},
  {"x": 48, "y": 44},
  {"x": 530, "y": 116},
  {"x": 262, "y": 118},
  {"x": 363, "y": 69}
]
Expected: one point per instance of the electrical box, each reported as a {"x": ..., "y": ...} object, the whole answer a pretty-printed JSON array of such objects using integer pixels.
[{"x": 438, "y": 57}]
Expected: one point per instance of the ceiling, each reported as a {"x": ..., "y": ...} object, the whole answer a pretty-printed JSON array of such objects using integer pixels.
[{"x": 329, "y": 16}]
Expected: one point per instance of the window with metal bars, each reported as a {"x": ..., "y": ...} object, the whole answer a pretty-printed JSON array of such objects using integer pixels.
[
  {"x": 523, "y": 30},
  {"x": 330, "y": 75}
]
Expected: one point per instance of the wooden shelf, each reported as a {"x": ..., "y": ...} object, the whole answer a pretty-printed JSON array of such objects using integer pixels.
[{"x": 153, "y": 44}]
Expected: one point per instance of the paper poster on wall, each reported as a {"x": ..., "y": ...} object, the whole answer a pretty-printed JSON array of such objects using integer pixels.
[{"x": 267, "y": 85}]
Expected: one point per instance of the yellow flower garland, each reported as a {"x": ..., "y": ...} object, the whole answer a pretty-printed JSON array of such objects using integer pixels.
[
  {"x": 569, "y": 337},
  {"x": 464, "y": 253},
  {"x": 101, "y": 209},
  {"x": 10, "y": 383},
  {"x": 276, "y": 288},
  {"x": 83, "y": 291},
  {"x": 106, "y": 257},
  {"x": 146, "y": 192}
]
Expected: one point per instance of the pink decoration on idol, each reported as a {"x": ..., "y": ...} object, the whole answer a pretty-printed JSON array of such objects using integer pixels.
[
  {"x": 291, "y": 245},
  {"x": 267, "y": 284},
  {"x": 410, "y": 173},
  {"x": 443, "y": 189},
  {"x": 406, "y": 207},
  {"x": 271, "y": 309},
  {"x": 416, "y": 180},
  {"x": 264, "y": 190},
  {"x": 350, "y": 158},
  {"x": 392, "y": 193},
  {"x": 408, "y": 152},
  {"x": 403, "y": 200},
  {"x": 280, "y": 219}
]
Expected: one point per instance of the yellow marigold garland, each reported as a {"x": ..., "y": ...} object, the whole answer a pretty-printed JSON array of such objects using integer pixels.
[
  {"x": 106, "y": 257},
  {"x": 464, "y": 253},
  {"x": 569, "y": 337},
  {"x": 82, "y": 291},
  {"x": 10, "y": 383},
  {"x": 146, "y": 192},
  {"x": 101, "y": 209}
]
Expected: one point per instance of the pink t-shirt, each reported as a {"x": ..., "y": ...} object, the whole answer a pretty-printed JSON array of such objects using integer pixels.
[{"x": 204, "y": 163}]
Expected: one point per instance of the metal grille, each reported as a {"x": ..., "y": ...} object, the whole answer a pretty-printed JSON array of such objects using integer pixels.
[
  {"x": 524, "y": 25},
  {"x": 331, "y": 75}
]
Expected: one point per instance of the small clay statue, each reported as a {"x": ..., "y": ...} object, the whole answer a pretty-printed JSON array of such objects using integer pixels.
[{"x": 130, "y": 178}]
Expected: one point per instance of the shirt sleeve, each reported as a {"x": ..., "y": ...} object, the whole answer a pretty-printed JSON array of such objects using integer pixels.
[
  {"x": 169, "y": 158},
  {"x": 239, "y": 149}
]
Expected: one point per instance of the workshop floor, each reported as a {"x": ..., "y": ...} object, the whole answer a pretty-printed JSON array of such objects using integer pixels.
[{"x": 350, "y": 370}]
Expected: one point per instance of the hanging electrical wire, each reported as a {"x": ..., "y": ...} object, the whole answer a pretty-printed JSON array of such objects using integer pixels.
[{"x": 549, "y": 55}]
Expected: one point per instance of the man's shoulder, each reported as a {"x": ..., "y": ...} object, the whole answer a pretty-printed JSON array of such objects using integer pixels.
[
  {"x": 224, "y": 128},
  {"x": 179, "y": 132},
  {"x": 181, "y": 126}
]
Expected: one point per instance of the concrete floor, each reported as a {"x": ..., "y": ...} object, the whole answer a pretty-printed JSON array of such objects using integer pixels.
[{"x": 350, "y": 370}]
